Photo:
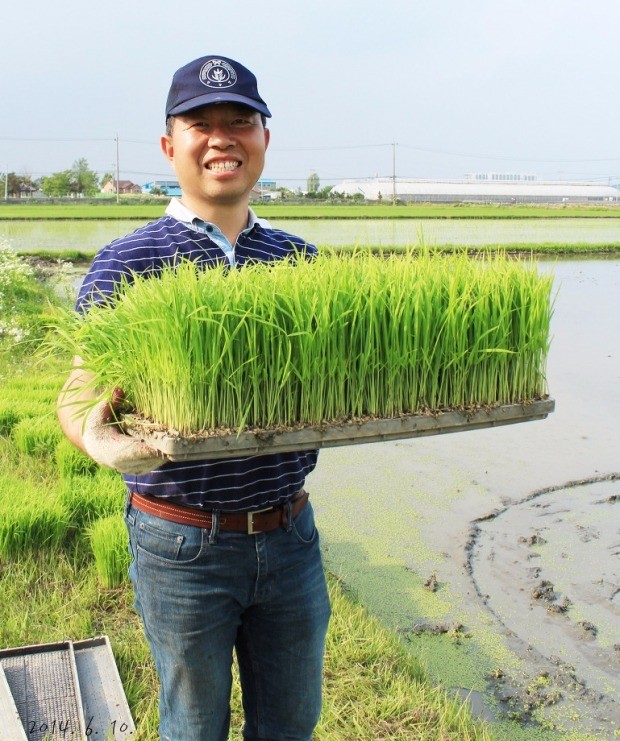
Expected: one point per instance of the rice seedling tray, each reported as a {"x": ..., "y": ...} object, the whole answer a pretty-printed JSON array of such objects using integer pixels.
[
  {"x": 65, "y": 690},
  {"x": 229, "y": 444}
]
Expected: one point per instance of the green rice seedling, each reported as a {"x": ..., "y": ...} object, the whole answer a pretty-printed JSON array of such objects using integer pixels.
[
  {"x": 108, "y": 540},
  {"x": 38, "y": 390},
  {"x": 72, "y": 462},
  {"x": 37, "y": 435},
  {"x": 13, "y": 411},
  {"x": 31, "y": 516},
  {"x": 304, "y": 342},
  {"x": 85, "y": 498},
  {"x": 9, "y": 417},
  {"x": 22, "y": 399}
]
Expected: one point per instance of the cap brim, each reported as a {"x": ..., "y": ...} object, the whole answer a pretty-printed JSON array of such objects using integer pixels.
[{"x": 220, "y": 97}]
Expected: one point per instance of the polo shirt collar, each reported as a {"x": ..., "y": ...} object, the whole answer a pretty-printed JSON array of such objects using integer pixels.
[{"x": 181, "y": 212}]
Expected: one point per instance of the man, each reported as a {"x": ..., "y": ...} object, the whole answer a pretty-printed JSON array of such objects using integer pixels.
[{"x": 225, "y": 554}]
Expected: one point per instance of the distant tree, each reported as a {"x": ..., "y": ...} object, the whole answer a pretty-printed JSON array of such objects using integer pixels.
[
  {"x": 57, "y": 184},
  {"x": 107, "y": 178},
  {"x": 83, "y": 179},
  {"x": 312, "y": 184}
]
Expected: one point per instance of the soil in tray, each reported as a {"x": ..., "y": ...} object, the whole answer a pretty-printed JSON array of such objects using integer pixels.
[{"x": 138, "y": 425}]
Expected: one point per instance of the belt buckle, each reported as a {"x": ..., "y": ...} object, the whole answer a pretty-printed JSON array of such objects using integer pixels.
[{"x": 250, "y": 515}]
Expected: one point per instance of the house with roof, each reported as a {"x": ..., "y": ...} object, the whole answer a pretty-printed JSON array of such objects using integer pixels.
[{"x": 124, "y": 187}]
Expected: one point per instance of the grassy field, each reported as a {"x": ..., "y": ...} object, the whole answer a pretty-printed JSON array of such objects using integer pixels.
[{"x": 128, "y": 209}]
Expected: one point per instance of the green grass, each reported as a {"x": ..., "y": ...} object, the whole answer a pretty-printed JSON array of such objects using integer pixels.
[
  {"x": 21, "y": 401},
  {"x": 24, "y": 303},
  {"x": 37, "y": 435},
  {"x": 127, "y": 209},
  {"x": 431, "y": 211},
  {"x": 76, "y": 211},
  {"x": 29, "y": 518},
  {"x": 71, "y": 462},
  {"x": 389, "y": 684},
  {"x": 108, "y": 541},
  {"x": 88, "y": 497}
]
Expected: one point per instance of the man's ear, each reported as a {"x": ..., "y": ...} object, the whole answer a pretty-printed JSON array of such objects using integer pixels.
[
  {"x": 267, "y": 137},
  {"x": 167, "y": 148}
]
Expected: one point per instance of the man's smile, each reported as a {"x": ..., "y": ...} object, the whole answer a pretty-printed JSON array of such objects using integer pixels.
[{"x": 223, "y": 165}]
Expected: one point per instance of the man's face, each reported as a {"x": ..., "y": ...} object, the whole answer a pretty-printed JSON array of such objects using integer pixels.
[{"x": 217, "y": 153}]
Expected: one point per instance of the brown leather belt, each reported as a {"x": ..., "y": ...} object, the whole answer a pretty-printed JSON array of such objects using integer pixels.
[{"x": 256, "y": 521}]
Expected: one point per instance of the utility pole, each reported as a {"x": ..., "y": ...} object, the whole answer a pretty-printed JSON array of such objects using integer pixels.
[
  {"x": 393, "y": 174},
  {"x": 117, "y": 171}
]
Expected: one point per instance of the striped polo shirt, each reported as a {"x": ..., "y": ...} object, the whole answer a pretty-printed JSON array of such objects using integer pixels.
[{"x": 232, "y": 484}]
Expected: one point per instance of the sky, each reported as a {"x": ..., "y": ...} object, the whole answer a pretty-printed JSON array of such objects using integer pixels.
[{"x": 357, "y": 88}]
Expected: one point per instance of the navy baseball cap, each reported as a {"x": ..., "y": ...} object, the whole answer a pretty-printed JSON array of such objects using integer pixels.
[{"x": 213, "y": 79}]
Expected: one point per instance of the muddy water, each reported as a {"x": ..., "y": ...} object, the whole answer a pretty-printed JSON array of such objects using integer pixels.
[{"x": 527, "y": 612}]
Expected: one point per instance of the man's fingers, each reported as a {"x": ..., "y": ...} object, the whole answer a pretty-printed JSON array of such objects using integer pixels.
[
  {"x": 118, "y": 396},
  {"x": 108, "y": 445}
]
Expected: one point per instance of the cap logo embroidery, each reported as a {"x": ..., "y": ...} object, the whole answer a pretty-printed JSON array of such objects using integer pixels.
[{"x": 217, "y": 73}]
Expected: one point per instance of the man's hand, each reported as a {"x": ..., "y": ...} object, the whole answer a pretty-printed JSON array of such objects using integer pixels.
[{"x": 107, "y": 444}]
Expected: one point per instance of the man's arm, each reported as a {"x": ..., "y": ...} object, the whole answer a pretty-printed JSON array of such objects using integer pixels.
[{"x": 92, "y": 428}]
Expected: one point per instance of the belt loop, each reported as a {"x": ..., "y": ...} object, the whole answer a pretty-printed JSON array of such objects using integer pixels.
[{"x": 215, "y": 526}]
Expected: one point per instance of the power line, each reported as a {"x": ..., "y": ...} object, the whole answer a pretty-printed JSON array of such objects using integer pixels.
[
  {"x": 341, "y": 147},
  {"x": 328, "y": 149},
  {"x": 24, "y": 139}
]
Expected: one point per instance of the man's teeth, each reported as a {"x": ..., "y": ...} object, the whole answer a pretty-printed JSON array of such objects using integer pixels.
[{"x": 223, "y": 166}]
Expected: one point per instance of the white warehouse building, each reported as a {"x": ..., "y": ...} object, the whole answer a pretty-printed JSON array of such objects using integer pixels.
[{"x": 479, "y": 189}]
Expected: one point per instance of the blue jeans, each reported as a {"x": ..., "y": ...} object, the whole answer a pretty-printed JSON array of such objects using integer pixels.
[{"x": 201, "y": 593}]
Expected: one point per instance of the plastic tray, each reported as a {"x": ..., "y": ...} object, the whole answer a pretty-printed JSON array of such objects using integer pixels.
[
  {"x": 63, "y": 690},
  {"x": 263, "y": 442}
]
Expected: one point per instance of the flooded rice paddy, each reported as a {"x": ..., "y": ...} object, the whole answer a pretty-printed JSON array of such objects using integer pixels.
[{"x": 89, "y": 236}]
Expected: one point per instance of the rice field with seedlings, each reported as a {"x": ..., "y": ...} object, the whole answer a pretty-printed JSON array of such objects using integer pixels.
[
  {"x": 108, "y": 540},
  {"x": 63, "y": 574},
  {"x": 305, "y": 343},
  {"x": 131, "y": 208}
]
